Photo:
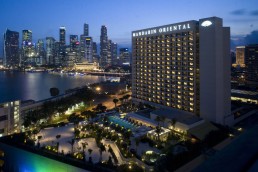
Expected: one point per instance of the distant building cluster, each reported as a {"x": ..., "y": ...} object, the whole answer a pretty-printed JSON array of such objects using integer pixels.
[
  {"x": 81, "y": 50},
  {"x": 245, "y": 68}
]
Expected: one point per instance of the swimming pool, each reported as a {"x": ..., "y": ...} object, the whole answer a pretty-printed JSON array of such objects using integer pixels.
[{"x": 121, "y": 122}]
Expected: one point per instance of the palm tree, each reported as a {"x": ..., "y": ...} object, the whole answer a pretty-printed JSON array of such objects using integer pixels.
[
  {"x": 163, "y": 119},
  {"x": 115, "y": 101},
  {"x": 71, "y": 142},
  {"x": 90, "y": 151},
  {"x": 57, "y": 144},
  {"x": 158, "y": 131},
  {"x": 126, "y": 97},
  {"x": 158, "y": 128},
  {"x": 84, "y": 145},
  {"x": 158, "y": 119},
  {"x": 173, "y": 123},
  {"x": 101, "y": 149}
]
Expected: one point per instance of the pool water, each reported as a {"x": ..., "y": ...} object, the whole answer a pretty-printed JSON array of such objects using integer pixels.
[{"x": 121, "y": 122}]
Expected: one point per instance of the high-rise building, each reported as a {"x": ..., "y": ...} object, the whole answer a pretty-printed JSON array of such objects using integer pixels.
[
  {"x": 28, "y": 49},
  {"x": 11, "y": 49},
  {"x": 240, "y": 55},
  {"x": 50, "y": 50},
  {"x": 57, "y": 54},
  {"x": 103, "y": 46},
  {"x": 88, "y": 49},
  {"x": 124, "y": 56},
  {"x": 40, "y": 52},
  {"x": 109, "y": 53},
  {"x": 184, "y": 67},
  {"x": 26, "y": 36},
  {"x": 62, "y": 31},
  {"x": 251, "y": 61},
  {"x": 113, "y": 51},
  {"x": 74, "y": 43},
  {"x": 86, "y": 29},
  {"x": 95, "y": 52}
]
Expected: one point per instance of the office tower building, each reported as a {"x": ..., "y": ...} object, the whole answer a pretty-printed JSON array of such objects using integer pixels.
[
  {"x": 57, "y": 54},
  {"x": 113, "y": 51},
  {"x": 103, "y": 46},
  {"x": 95, "y": 52},
  {"x": 40, "y": 52},
  {"x": 251, "y": 62},
  {"x": 184, "y": 67},
  {"x": 109, "y": 55},
  {"x": 74, "y": 43},
  {"x": 124, "y": 56},
  {"x": 11, "y": 49},
  {"x": 28, "y": 49},
  {"x": 240, "y": 56},
  {"x": 88, "y": 50},
  {"x": 62, "y": 35},
  {"x": 50, "y": 50},
  {"x": 86, "y": 29}
]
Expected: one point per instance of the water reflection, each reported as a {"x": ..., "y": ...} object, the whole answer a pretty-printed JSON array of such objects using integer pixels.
[{"x": 24, "y": 86}]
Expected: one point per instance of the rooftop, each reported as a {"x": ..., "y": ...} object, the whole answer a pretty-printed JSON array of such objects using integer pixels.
[
  {"x": 240, "y": 155},
  {"x": 180, "y": 116}
]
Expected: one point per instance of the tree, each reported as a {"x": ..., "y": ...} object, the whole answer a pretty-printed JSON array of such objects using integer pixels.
[
  {"x": 115, "y": 101},
  {"x": 121, "y": 100},
  {"x": 71, "y": 142},
  {"x": 158, "y": 131},
  {"x": 90, "y": 151},
  {"x": 158, "y": 119},
  {"x": 126, "y": 97},
  {"x": 101, "y": 108},
  {"x": 163, "y": 119},
  {"x": 57, "y": 138},
  {"x": 54, "y": 91},
  {"x": 101, "y": 149},
  {"x": 173, "y": 123},
  {"x": 84, "y": 145}
]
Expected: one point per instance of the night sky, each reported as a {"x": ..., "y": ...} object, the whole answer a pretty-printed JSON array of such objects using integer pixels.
[{"x": 44, "y": 17}]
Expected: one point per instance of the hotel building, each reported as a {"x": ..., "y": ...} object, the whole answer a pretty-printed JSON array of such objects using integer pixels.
[
  {"x": 184, "y": 67},
  {"x": 10, "y": 121}
]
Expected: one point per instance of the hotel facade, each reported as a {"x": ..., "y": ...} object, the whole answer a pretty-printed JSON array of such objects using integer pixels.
[{"x": 185, "y": 67}]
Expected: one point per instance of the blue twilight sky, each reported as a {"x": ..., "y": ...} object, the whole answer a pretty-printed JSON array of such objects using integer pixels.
[{"x": 44, "y": 17}]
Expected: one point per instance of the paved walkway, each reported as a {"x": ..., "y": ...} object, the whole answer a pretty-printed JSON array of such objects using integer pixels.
[{"x": 122, "y": 160}]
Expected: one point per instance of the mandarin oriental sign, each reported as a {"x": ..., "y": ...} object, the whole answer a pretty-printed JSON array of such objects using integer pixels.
[{"x": 162, "y": 29}]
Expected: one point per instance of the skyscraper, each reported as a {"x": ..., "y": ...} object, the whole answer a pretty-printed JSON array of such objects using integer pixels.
[
  {"x": 124, "y": 56},
  {"x": 251, "y": 57},
  {"x": 40, "y": 52},
  {"x": 50, "y": 50},
  {"x": 113, "y": 51},
  {"x": 103, "y": 46},
  {"x": 88, "y": 49},
  {"x": 95, "y": 52},
  {"x": 28, "y": 49},
  {"x": 240, "y": 55},
  {"x": 86, "y": 29},
  {"x": 62, "y": 35},
  {"x": 74, "y": 43},
  {"x": 11, "y": 48},
  {"x": 185, "y": 67}
]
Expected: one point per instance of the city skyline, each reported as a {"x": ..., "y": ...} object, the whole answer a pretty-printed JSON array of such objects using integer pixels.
[{"x": 122, "y": 17}]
